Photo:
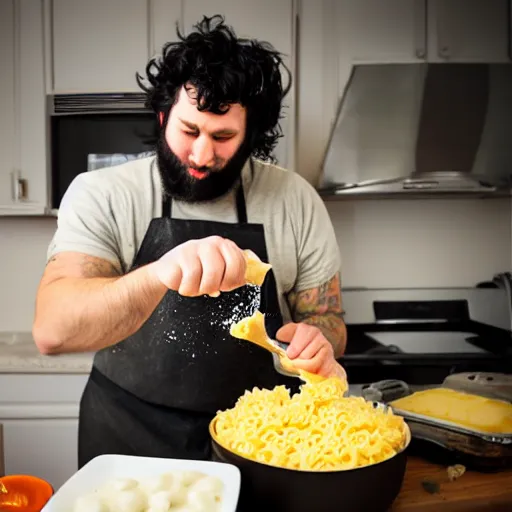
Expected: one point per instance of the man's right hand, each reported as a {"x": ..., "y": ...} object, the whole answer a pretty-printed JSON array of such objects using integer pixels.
[{"x": 202, "y": 267}]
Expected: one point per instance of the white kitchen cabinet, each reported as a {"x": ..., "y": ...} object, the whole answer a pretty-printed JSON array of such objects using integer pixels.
[
  {"x": 405, "y": 31},
  {"x": 266, "y": 20},
  {"x": 23, "y": 156},
  {"x": 469, "y": 31},
  {"x": 99, "y": 45},
  {"x": 46, "y": 448},
  {"x": 8, "y": 153},
  {"x": 164, "y": 16},
  {"x": 39, "y": 414},
  {"x": 371, "y": 31}
]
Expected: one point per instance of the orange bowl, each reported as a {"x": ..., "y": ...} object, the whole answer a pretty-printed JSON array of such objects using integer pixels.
[{"x": 24, "y": 493}]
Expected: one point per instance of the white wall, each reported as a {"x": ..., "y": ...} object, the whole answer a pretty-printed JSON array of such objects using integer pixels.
[
  {"x": 430, "y": 243},
  {"x": 23, "y": 244}
]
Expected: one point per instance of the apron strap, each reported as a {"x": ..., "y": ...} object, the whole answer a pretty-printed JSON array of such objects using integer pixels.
[
  {"x": 166, "y": 205},
  {"x": 241, "y": 209}
]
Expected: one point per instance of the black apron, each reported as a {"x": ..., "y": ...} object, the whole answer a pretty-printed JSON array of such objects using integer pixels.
[{"x": 155, "y": 393}]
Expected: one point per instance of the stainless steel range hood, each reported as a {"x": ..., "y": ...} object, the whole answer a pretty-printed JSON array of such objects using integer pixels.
[{"x": 432, "y": 129}]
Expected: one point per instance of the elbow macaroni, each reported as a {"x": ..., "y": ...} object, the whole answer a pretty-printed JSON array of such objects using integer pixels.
[{"x": 317, "y": 429}]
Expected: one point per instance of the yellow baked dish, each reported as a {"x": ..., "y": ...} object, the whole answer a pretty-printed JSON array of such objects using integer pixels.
[{"x": 463, "y": 409}]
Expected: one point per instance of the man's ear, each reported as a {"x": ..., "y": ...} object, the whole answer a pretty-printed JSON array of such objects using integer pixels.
[{"x": 161, "y": 118}]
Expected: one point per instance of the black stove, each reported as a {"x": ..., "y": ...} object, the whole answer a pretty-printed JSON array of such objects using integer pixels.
[{"x": 422, "y": 336}]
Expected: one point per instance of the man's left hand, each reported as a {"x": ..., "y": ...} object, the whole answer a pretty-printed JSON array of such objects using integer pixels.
[{"x": 309, "y": 349}]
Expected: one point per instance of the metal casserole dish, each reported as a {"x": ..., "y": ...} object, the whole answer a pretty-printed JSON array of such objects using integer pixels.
[
  {"x": 448, "y": 442},
  {"x": 371, "y": 488},
  {"x": 476, "y": 450}
]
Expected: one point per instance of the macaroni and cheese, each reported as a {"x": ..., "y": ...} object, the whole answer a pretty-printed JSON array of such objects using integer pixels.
[{"x": 317, "y": 429}]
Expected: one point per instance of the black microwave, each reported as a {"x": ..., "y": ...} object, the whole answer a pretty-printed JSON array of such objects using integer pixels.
[{"x": 96, "y": 130}]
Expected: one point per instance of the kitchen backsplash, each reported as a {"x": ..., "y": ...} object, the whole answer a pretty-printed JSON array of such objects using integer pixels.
[
  {"x": 414, "y": 244},
  {"x": 383, "y": 244}
]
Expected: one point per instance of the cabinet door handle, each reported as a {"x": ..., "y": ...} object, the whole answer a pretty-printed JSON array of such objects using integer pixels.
[
  {"x": 420, "y": 18},
  {"x": 443, "y": 49},
  {"x": 19, "y": 187},
  {"x": 444, "y": 52}
]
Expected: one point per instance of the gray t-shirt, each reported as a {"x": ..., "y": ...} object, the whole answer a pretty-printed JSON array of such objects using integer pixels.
[{"x": 106, "y": 213}]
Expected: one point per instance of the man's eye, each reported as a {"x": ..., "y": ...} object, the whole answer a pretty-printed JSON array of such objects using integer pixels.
[
  {"x": 222, "y": 138},
  {"x": 193, "y": 134}
]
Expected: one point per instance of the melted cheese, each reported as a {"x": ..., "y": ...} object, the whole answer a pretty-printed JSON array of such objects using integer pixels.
[
  {"x": 464, "y": 409},
  {"x": 253, "y": 329},
  {"x": 256, "y": 270}
]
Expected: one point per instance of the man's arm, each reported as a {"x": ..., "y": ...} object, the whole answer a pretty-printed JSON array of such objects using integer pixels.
[
  {"x": 322, "y": 308},
  {"x": 84, "y": 304}
]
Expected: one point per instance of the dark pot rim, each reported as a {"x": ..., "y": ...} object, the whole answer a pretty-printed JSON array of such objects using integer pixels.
[{"x": 215, "y": 439}]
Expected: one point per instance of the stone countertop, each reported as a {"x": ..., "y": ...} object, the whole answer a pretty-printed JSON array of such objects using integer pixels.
[{"x": 19, "y": 354}]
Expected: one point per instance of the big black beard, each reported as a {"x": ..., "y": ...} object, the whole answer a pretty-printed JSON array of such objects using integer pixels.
[{"x": 178, "y": 183}]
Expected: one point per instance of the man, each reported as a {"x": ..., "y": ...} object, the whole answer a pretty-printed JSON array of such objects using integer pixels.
[{"x": 147, "y": 269}]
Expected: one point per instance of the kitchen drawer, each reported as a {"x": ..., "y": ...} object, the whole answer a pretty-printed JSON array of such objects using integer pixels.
[
  {"x": 47, "y": 388},
  {"x": 25, "y": 396},
  {"x": 46, "y": 448}
]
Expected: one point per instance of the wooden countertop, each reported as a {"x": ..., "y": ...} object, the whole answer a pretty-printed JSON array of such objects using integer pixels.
[{"x": 472, "y": 492}]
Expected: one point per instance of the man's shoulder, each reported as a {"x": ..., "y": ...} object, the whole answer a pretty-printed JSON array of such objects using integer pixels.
[
  {"x": 128, "y": 174},
  {"x": 132, "y": 181},
  {"x": 114, "y": 191}
]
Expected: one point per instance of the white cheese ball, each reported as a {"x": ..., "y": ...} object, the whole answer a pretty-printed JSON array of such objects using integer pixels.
[
  {"x": 208, "y": 484},
  {"x": 186, "y": 478},
  {"x": 122, "y": 484},
  {"x": 202, "y": 501},
  {"x": 154, "y": 484},
  {"x": 132, "y": 500},
  {"x": 161, "y": 501}
]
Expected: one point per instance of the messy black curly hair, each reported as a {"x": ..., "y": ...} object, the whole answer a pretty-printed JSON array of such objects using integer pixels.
[{"x": 223, "y": 69}]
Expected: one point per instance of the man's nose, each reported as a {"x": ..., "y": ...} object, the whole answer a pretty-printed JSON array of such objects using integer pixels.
[{"x": 202, "y": 152}]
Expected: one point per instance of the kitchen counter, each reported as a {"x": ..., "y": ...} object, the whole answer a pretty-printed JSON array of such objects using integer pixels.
[
  {"x": 472, "y": 492},
  {"x": 19, "y": 354}
]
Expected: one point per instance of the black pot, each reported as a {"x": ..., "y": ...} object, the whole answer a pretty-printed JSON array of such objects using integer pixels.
[{"x": 266, "y": 488}]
